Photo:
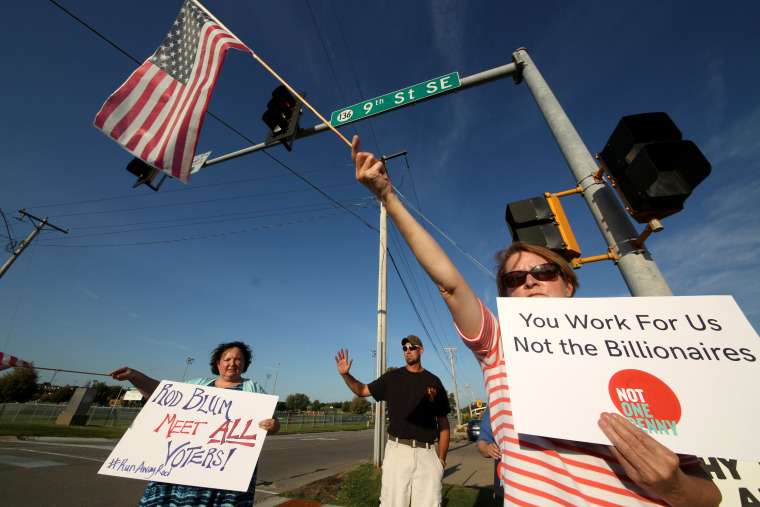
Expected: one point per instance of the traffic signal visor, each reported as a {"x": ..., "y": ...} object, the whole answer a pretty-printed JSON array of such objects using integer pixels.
[
  {"x": 653, "y": 170},
  {"x": 282, "y": 116},
  {"x": 541, "y": 221}
]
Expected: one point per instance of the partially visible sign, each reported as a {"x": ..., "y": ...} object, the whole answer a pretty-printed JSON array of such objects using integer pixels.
[
  {"x": 198, "y": 162},
  {"x": 194, "y": 435},
  {"x": 738, "y": 481},
  {"x": 396, "y": 99},
  {"x": 133, "y": 395},
  {"x": 683, "y": 369}
]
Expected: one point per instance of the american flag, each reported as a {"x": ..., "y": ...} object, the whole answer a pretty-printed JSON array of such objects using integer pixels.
[
  {"x": 158, "y": 112},
  {"x": 8, "y": 361}
]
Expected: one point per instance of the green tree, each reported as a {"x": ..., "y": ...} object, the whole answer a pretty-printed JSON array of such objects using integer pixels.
[
  {"x": 62, "y": 395},
  {"x": 298, "y": 401},
  {"x": 281, "y": 407},
  {"x": 345, "y": 406},
  {"x": 391, "y": 368},
  {"x": 360, "y": 405},
  {"x": 315, "y": 405},
  {"x": 103, "y": 393},
  {"x": 115, "y": 392},
  {"x": 18, "y": 385}
]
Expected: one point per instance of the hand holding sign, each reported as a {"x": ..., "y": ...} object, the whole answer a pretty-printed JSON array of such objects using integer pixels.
[{"x": 653, "y": 466}]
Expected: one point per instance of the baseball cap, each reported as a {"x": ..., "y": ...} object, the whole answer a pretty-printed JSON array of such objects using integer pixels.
[{"x": 414, "y": 340}]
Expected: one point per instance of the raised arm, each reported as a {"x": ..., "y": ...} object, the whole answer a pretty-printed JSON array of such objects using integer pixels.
[
  {"x": 344, "y": 365},
  {"x": 142, "y": 382},
  {"x": 459, "y": 297}
]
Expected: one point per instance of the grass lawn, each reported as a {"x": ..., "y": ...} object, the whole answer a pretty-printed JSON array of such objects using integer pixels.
[
  {"x": 55, "y": 430},
  {"x": 361, "y": 488}
]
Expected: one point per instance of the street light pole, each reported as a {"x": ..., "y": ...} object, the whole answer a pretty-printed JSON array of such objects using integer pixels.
[
  {"x": 189, "y": 361},
  {"x": 277, "y": 371}
]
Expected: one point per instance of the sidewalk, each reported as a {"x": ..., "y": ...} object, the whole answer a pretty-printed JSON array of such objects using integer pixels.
[{"x": 464, "y": 467}]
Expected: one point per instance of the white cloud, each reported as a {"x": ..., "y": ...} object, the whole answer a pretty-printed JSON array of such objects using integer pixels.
[{"x": 448, "y": 28}]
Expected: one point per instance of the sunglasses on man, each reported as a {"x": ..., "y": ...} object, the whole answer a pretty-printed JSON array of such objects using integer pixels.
[
  {"x": 543, "y": 272},
  {"x": 410, "y": 347}
]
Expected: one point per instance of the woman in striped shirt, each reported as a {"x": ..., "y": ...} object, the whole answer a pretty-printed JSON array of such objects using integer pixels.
[{"x": 635, "y": 470}]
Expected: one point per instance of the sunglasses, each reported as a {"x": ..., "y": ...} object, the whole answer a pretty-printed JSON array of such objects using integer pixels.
[
  {"x": 410, "y": 347},
  {"x": 542, "y": 272}
]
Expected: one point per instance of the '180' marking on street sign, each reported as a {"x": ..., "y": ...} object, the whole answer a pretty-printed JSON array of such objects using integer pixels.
[{"x": 396, "y": 99}]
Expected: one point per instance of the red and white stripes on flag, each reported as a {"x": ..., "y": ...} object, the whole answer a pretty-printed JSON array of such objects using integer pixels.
[
  {"x": 8, "y": 361},
  {"x": 158, "y": 112}
]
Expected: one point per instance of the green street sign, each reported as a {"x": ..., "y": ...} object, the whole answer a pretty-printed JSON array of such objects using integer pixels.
[{"x": 396, "y": 99}]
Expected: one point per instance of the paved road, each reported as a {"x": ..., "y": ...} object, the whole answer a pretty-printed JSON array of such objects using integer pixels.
[
  {"x": 290, "y": 461},
  {"x": 64, "y": 471}
]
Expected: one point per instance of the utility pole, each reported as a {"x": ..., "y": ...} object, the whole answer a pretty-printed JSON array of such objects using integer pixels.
[
  {"x": 37, "y": 228},
  {"x": 382, "y": 321},
  {"x": 451, "y": 350},
  {"x": 469, "y": 400},
  {"x": 373, "y": 353}
]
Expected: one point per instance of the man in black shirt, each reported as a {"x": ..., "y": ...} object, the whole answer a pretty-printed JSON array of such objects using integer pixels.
[{"x": 417, "y": 408}]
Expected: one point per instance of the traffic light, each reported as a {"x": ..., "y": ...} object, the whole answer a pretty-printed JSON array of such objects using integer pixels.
[
  {"x": 541, "y": 221},
  {"x": 145, "y": 174},
  {"x": 282, "y": 116},
  {"x": 651, "y": 167}
]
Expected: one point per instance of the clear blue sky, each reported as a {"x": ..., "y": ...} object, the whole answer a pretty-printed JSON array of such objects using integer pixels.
[{"x": 148, "y": 279}]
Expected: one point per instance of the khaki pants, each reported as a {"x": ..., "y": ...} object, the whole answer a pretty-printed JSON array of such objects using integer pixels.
[{"x": 411, "y": 476}]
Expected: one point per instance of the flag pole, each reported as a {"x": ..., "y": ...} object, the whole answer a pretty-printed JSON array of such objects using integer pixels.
[
  {"x": 196, "y": 2},
  {"x": 301, "y": 98},
  {"x": 67, "y": 371}
]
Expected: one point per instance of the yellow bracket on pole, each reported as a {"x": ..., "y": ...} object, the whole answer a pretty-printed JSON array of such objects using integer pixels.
[
  {"x": 654, "y": 225},
  {"x": 611, "y": 255}
]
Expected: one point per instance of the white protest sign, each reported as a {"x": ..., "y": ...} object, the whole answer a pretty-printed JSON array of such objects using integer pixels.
[
  {"x": 194, "y": 435},
  {"x": 684, "y": 369},
  {"x": 738, "y": 481}
]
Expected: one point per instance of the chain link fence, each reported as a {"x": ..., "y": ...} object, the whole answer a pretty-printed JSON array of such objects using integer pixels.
[{"x": 47, "y": 413}]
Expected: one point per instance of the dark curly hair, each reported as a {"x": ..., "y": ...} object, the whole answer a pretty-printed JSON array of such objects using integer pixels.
[{"x": 216, "y": 355}]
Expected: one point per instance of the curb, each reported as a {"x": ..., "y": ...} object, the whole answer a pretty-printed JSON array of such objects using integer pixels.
[{"x": 290, "y": 502}]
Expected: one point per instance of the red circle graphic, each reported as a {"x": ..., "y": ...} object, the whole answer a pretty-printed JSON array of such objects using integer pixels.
[{"x": 637, "y": 387}]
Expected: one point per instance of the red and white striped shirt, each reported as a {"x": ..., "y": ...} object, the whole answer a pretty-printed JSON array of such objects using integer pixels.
[{"x": 546, "y": 471}]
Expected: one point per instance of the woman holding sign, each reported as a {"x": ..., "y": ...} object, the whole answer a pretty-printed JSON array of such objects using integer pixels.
[
  {"x": 229, "y": 361},
  {"x": 635, "y": 470}
]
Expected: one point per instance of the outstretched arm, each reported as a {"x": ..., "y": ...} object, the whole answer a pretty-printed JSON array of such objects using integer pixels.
[
  {"x": 344, "y": 365},
  {"x": 656, "y": 468},
  {"x": 459, "y": 297},
  {"x": 142, "y": 382}
]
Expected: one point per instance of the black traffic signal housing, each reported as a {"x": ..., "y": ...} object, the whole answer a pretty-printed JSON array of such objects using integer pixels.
[
  {"x": 145, "y": 174},
  {"x": 651, "y": 167},
  {"x": 282, "y": 116},
  {"x": 541, "y": 221}
]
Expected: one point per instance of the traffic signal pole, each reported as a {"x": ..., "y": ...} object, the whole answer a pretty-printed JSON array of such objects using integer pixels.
[
  {"x": 466, "y": 82},
  {"x": 639, "y": 271},
  {"x": 641, "y": 274}
]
